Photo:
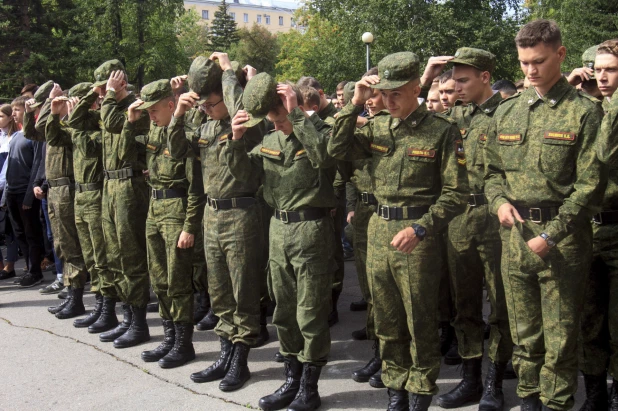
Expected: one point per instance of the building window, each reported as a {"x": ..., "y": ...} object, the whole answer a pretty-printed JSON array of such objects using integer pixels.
[
  {"x": 245, "y": 18},
  {"x": 281, "y": 20},
  {"x": 205, "y": 14},
  {"x": 233, "y": 16},
  {"x": 259, "y": 18},
  {"x": 292, "y": 22},
  {"x": 267, "y": 17}
]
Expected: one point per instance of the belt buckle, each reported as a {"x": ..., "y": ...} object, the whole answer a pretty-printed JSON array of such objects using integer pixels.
[
  {"x": 154, "y": 194},
  {"x": 385, "y": 215},
  {"x": 598, "y": 219},
  {"x": 365, "y": 197},
  {"x": 536, "y": 210},
  {"x": 213, "y": 204},
  {"x": 283, "y": 219},
  {"x": 472, "y": 200}
]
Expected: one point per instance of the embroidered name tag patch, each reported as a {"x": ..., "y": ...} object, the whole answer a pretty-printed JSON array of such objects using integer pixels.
[
  {"x": 417, "y": 152},
  {"x": 223, "y": 138},
  {"x": 379, "y": 148},
  {"x": 151, "y": 147},
  {"x": 300, "y": 152},
  {"x": 202, "y": 142},
  {"x": 270, "y": 152},
  {"x": 560, "y": 135},
  {"x": 509, "y": 137}
]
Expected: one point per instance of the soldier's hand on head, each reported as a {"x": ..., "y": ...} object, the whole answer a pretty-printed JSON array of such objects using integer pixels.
[
  {"x": 434, "y": 67},
  {"x": 186, "y": 102},
  {"x": 56, "y": 91},
  {"x": 405, "y": 240},
  {"x": 363, "y": 90},
  {"x": 350, "y": 217},
  {"x": 177, "y": 82},
  {"x": 116, "y": 81},
  {"x": 186, "y": 240},
  {"x": 288, "y": 96},
  {"x": 29, "y": 103},
  {"x": 134, "y": 113},
  {"x": 507, "y": 214},
  {"x": 539, "y": 246},
  {"x": 224, "y": 60},
  {"x": 250, "y": 71},
  {"x": 99, "y": 91},
  {"x": 57, "y": 104},
  {"x": 579, "y": 75},
  {"x": 73, "y": 101},
  {"x": 238, "y": 127}
]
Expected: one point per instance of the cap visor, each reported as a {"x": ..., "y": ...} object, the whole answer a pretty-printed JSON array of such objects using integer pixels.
[
  {"x": 35, "y": 105},
  {"x": 99, "y": 83},
  {"x": 389, "y": 85},
  {"x": 146, "y": 105},
  {"x": 253, "y": 120}
]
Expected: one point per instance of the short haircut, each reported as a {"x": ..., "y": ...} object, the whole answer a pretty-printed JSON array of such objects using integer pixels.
[
  {"x": 505, "y": 86},
  {"x": 19, "y": 101},
  {"x": 372, "y": 72},
  {"x": 520, "y": 83},
  {"x": 446, "y": 76},
  {"x": 341, "y": 85},
  {"x": 311, "y": 97},
  {"x": 608, "y": 47},
  {"x": 309, "y": 81},
  {"x": 539, "y": 31},
  {"x": 299, "y": 97},
  {"x": 32, "y": 88}
]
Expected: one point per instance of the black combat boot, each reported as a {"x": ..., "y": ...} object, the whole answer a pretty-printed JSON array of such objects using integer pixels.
[
  {"x": 509, "y": 372},
  {"x": 137, "y": 333},
  {"x": 209, "y": 322},
  {"x": 447, "y": 334},
  {"x": 376, "y": 380},
  {"x": 169, "y": 337},
  {"x": 333, "y": 316},
  {"x": 287, "y": 392},
  {"x": 57, "y": 308},
  {"x": 452, "y": 356},
  {"x": 238, "y": 374},
  {"x": 360, "y": 305},
  {"x": 75, "y": 306},
  {"x": 493, "y": 398},
  {"x": 183, "y": 350},
  {"x": 360, "y": 335},
  {"x": 202, "y": 307},
  {"x": 470, "y": 389},
  {"x": 107, "y": 320},
  {"x": 279, "y": 357},
  {"x": 307, "y": 398},
  {"x": 420, "y": 402},
  {"x": 264, "y": 336},
  {"x": 398, "y": 400},
  {"x": 121, "y": 328},
  {"x": 596, "y": 392},
  {"x": 220, "y": 367},
  {"x": 531, "y": 403},
  {"x": 613, "y": 396},
  {"x": 373, "y": 366},
  {"x": 94, "y": 314}
]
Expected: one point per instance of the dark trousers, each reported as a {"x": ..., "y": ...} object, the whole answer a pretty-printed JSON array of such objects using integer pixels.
[{"x": 27, "y": 229}]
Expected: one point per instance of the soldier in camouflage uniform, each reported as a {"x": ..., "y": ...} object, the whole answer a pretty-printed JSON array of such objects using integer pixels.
[
  {"x": 59, "y": 173},
  {"x": 544, "y": 181},
  {"x": 583, "y": 77},
  {"x": 125, "y": 201},
  {"x": 232, "y": 229},
  {"x": 599, "y": 324},
  {"x": 297, "y": 174},
  {"x": 419, "y": 179},
  {"x": 174, "y": 218}
]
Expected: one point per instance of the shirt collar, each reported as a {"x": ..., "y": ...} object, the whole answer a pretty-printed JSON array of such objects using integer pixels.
[
  {"x": 488, "y": 106},
  {"x": 413, "y": 119},
  {"x": 552, "y": 97}
]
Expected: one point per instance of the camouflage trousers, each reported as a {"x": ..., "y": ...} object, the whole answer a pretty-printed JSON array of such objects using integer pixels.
[
  {"x": 545, "y": 300},
  {"x": 473, "y": 253},
  {"x": 61, "y": 209},
  {"x": 200, "y": 277},
  {"x": 599, "y": 323},
  {"x": 266, "y": 212},
  {"x": 338, "y": 220},
  {"x": 404, "y": 291},
  {"x": 232, "y": 239},
  {"x": 92, "y": 241},
  {"x": 125, "y": 207},
  {"x": 446, "y": 310},
  {"x": 170, "y": 267},
  {"x": 301, "y": 276},
  {"x": 362, "y": 215}
]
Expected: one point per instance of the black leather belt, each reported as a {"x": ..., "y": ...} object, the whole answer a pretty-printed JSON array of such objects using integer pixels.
[
  {"x": 80, "y": 188},
  {"x": 401, "y": 213},
  {"x": 476, "y": 200},
  {"x": 169, "y": 193},
  {"x": 122, "y": 174},
  {"x": 606, "y": 217},
  {"x": 537, "y": 214},
  {"x": 308, "y": 214},
  {"x": 229, "y": 203},
  {"x": 59, "y": 182},
  {"x": 367, "y": 198}
]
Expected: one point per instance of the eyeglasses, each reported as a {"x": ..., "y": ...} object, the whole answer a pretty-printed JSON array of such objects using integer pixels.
[{"x": 210, "y": 106}]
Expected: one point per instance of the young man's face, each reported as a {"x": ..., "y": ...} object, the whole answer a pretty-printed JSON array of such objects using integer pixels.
[
  {"x": 541, "y": 64},
  {"x": 18, "y": 113},
  {"x": 606, "y": 72},
  {"x": 340, "y": 98},
  {"x": 401, "y": 101},
  {"x": 433, "y": 102},
  {"x": 469, "y": 83},
  {"x": 215, "y": 107},
  {"x": 5, "y": 120},
  {"x": 162, "y": 112},
  {"x": 279, "y": 117},
  {"x": 448, "y": 95},
  {"x": 375, "y": 104}
]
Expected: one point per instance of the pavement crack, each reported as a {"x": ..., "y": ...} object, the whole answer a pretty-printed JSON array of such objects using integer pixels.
[{"x": 158, "y": 377}]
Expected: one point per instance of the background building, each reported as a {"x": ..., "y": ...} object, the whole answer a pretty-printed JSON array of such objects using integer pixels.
[{"x": 276, "y": 16}]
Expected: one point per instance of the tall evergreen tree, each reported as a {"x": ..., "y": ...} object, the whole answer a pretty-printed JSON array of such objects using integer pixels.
[{"x": 223, "y": 30}]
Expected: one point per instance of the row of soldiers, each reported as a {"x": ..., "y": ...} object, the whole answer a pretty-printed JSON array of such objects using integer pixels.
[{"x": 504, "y": 190}]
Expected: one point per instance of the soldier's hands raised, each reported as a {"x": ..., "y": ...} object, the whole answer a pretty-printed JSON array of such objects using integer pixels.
[
  {"x": 186, "y": 102},
  {"x": 186, "y": 240},
  {"x": 507, "y": 214},
  {"x": 579, "y": 75},
  {"x": 288, "y": 96},
  {"x": 72, "y": 102},
  {"x": 238, "y": 128},
  {"x": 57, "y": 104},
  {"x": 434, "y": 67},
  {"x": 224, "y": 60},
  {"x": 29, "y": 103},
  {"x": 56, "y": 91},
  {"x": 177, "y": 82},
  {"x": 405, "y": 240},
  {"x": 363, "y": 90},
  {"x": 134, "y": 113},
  {"x": 116, "y": 81},
  {"x": 250, "y": 71}
]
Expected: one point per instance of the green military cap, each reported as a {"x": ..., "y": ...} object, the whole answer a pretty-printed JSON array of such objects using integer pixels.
[
  {"x": 154, "y": 92},
  {"x": 102, "y": 73},
  {"x": 240, "y": 73},
  {"x": 348, "y": 92},
  {"x": 397, "y": 69},
  {"x": 130, "y": 87},
  {"x": 80, "y": 90},
  {"x": 477, "y": 58},
  {"x": 588, "y": 58},
  {"x": 204, "y": 77},
  {"x": 259, "y": 98},
  {"x": 42, "y": 93}
]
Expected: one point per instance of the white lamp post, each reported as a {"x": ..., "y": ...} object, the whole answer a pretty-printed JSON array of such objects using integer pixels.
[{"x": 367, "y": 38}]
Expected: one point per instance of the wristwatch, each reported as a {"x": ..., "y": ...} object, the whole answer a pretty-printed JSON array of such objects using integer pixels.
[
  {"x": 548, "y": 239},
  {"x": 419, "y": 231}
]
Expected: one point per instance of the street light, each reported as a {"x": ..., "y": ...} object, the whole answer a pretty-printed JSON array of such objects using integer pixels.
[{"x": 367, "y": 38}]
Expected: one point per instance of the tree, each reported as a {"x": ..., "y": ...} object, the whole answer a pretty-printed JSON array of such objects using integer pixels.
[
  {"x": 257, "y": 47},
  {"x": 223, "y": 30}
]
